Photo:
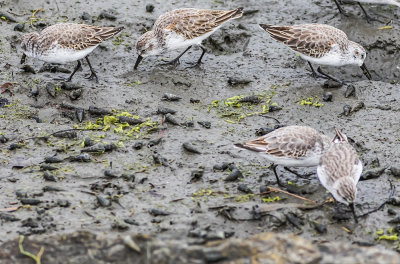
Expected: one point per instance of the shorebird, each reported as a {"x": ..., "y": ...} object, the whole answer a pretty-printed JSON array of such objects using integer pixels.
[
  {"x": 290, "y": 146},
  {"x": 321, "y": 44},
  {"x": 339, "y": 171},
  {"x": 66, "y": 42},
  {"x": 380, "y": 2},
  {"x": 182, "y": 28}
]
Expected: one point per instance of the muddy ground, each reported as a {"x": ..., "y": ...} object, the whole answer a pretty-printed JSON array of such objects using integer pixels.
[{"x": 162, "y": 189}]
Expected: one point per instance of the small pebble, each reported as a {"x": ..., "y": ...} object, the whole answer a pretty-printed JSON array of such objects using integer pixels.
[
  {"x": 138, "y": 145},
  {"x": 149, "y": 8},
  {"x": 110, "y": 174},
  {"x": 350, "y": 90},
  {"x": 98, "y": 148},
  {"x": 130, "y": 120},
  {"x": 170, "y": 97},
  {"x": 357, "y": 106},
  {"x": 332, "y": 84},
  {"x": 51, "y": 89},
  {"x": 158, "y": 212},
  {"x": 194, "y": 101},
  {"x": 391, "y": 211},
  {"x": 190, "y": 147},
  {"x": 234, "y": 175},
  {"x": 19, "y": 27},
  {"x": 85, "y": 157},
  {"x": 66, "y": 134},
  {"x": 346, "y": 110},
  {"x": 327, "y": 97},
  {"x": 96, "y": 111},
  {"x": 128, "y": 177},
  {"x": 196, "y": 175},
  {"x": 205, "y": 124},
  {"x": 131, "y": 221},
  {"x": 372, "y": 174},
  {"x": 63, "y": 203},
  {"x": 395, "y": 171},
  {"x": 53, "y": 159},
  {"x": 221, "y": 167},
  {"x": 154, "y": 142},
  {"x": 104, "y": 202},
  {"x": 158, "y": 159},
  {"x": 49, "y": 177},
  {"x": 105, "y": 14},
  {"x": 165, "y": 110},
  {"x": 79, "y": 113},
  {"x": 171, "y": 119},
  {"x": 321, "y": 229},
  {"x": 3, "y": 139},
  {"x": 30, "y": 201},
  {"x": 69, "y": 86},
  {"x": 85, "y": 16},
  {"x": 263, "y": 131},
  {"x": 244, "y": 188},
  {"x": 74, "y": 95}
]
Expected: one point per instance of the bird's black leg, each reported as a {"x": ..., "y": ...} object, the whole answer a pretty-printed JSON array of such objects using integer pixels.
[
  {"x": 199, "y": 60},
  {"x": 273, "y": 166},
  {"x": 93, "y": 73},
  {"x": 77, "y": 67},
  {"x": 328, "y": 76},
  {"x": 314, "y": 73},
  {"x": 353, "y": 210},
  {"x": 23, "y": 59},
  {"x": 341, "y": 10},
  {"x": 304, "y": 176},
  {"x": 176, "y": 61}
]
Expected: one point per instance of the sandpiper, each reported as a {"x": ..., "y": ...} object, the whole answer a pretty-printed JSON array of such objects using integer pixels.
[
  {"x": 182, "y": 28},
  {"x": 339, "y": 170},
  {"x": 321, "y": 44},
  {"x": 380, "y": 2},
  {"x": 66, "y": 42},
  {"x": 290, "y": 146}
]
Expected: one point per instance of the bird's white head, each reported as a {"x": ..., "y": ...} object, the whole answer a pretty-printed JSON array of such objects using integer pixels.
[
  {"x": 148, "y": 45},
  {"x": 26, "y": 40},
  {"x": 345, "y": 190},
  {"x": 357, "y": 53}
]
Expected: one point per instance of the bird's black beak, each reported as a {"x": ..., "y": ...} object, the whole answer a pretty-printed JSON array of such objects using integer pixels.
[
  {"x": 365, "y": 71},
  {"x": 23, "y": 58},
  {"x": 353, "y": 209},
  {"x": 139, "y": 59}
]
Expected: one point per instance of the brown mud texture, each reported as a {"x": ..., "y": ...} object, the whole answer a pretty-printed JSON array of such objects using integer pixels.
[{"x": 151, "y": 151}]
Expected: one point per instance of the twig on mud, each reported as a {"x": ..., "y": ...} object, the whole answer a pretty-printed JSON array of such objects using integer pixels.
[
  {"x": 37, "y": 258},
  {"x": 291, "y": 194},
  {"x": 267, "y": 116},
  {"x": 15, "y": 14}
]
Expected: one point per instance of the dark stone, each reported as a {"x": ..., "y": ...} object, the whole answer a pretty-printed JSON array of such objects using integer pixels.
[
  {"x": 327, "y": 97},
  {"x": 244, "y": 188},
  {"x": 205, "y": 124},
  {"x": 234, "y": 175},
  {"x": 149, "y": 8},
  {"x": 19, "y": 27}
]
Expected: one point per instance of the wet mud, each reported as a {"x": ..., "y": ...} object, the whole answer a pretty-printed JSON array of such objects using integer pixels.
[{"x": 130, "y": 159}]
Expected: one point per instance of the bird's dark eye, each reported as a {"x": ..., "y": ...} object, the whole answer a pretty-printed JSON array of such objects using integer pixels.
[{"x": 356, "y": 53}]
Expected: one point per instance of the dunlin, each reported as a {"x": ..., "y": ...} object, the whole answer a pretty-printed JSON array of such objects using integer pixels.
[
  {"x": 290, "y": 146},
  {"x": 380, "y": 2},
  {"x": 182, "y": 28},
  {"x": 66, "y": 42},
  {"x": 339, "y": 171},
  {"x": 321, "y": 44}
]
